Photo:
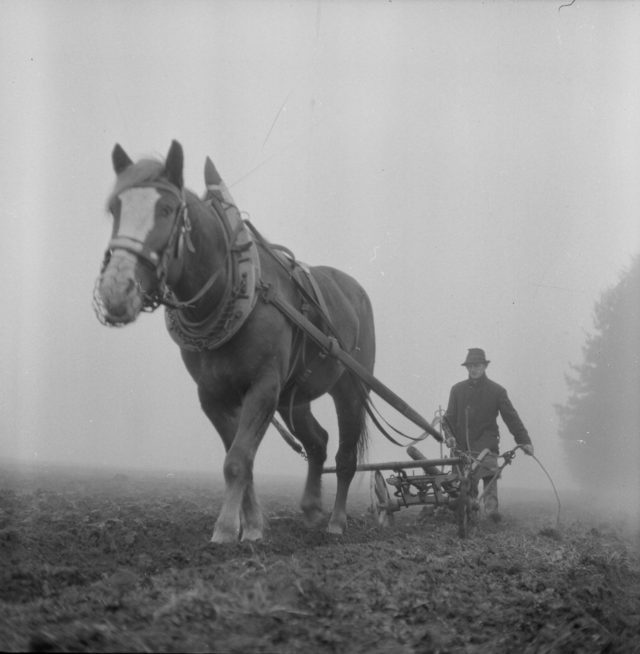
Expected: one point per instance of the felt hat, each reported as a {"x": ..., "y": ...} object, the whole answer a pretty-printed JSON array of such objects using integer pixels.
[{"x": 475, "y": 355}]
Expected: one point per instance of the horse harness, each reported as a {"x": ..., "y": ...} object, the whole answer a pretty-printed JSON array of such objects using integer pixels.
[
  {"x": 243, "y": 288},
  {"x": 242, "y": 264}
]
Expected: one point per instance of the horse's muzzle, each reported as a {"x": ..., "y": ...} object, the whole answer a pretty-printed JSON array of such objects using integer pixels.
[{"x": 121, "y": 295}]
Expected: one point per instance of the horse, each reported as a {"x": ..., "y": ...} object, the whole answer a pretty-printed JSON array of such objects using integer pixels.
[{"x": 216, "y": 279}]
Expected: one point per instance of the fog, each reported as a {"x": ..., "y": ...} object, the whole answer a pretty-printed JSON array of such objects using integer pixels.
[{"x": 474, "y": 165}]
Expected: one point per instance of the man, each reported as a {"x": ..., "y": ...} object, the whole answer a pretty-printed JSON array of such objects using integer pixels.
[{"x": 474, "y": 405}]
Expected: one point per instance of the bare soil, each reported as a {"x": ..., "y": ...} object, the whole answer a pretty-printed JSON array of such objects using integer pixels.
[{"x": 104, "y": 561}]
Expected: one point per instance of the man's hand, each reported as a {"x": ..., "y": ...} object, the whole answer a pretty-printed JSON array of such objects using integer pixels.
[{"x": 528, "y": 449}]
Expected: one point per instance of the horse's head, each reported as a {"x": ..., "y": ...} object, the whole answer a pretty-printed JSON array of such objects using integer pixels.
[{"x": 148, "y": 209}]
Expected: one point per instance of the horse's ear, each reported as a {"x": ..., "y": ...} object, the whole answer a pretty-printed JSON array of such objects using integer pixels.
[
  {"x": 120, "y": 159},
  {"x": 174, "y": 165},
  {"x": 211, "y": 175}
]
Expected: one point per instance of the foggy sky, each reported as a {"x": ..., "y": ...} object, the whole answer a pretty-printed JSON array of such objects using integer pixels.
[{"x": 474, "y": 165}]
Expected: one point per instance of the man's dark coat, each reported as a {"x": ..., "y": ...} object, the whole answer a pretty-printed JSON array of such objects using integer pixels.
[{"x": 484, "y": 399}]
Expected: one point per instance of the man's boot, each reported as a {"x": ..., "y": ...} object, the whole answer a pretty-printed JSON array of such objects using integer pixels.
[{"x": 491, "y": 499}]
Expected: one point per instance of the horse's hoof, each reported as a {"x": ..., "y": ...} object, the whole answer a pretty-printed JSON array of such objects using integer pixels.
[
  {"x": 252, "y": 534},
  {"x": 312, "y": 518},
  {"x": 220, "y": 537},
  {"x": 338, "y": 530}
]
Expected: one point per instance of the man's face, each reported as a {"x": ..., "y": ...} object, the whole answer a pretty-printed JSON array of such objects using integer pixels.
[{"x": 476, "y": 369}]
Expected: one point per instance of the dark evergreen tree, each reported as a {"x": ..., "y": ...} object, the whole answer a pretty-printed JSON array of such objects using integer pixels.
[{"x": 600, "y": 423}]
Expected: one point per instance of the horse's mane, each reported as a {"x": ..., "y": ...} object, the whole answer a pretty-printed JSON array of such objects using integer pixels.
[{"x": 145, "y": 170}]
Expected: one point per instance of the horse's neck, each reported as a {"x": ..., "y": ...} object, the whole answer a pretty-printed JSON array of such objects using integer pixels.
[{"x": 209, "y": 258}]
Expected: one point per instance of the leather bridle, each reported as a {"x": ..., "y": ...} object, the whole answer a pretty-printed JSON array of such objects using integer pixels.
[{"x": 159, "y": 262}]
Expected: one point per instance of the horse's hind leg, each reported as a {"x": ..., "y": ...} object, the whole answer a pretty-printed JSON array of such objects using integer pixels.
[
  {"x": 313, "y": 437},
  {"x": 352, "y": 428}
]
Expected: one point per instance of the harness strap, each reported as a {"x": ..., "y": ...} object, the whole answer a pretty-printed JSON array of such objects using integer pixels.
[
  {"x": 316, "y": 303},
  {"x": 316, "y": 290},
  {"x": 289, "y": 439},
  {"x": 330, "y": 344},
  {"x": 334, "y": 347},
  {"x": 225, "y": 267},
  {"x": 137, "y": 247}
]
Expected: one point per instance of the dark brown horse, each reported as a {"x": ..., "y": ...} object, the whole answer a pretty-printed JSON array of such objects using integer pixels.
[{"x": 247, "y": 359}]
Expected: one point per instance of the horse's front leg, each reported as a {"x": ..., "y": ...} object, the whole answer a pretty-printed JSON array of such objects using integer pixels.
[
  {"x": 257, "y": 410},
  {"x": 251, "y": 517}
]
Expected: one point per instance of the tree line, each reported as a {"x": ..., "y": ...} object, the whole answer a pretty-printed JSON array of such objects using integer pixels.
[{"x": 600, "y": 421}]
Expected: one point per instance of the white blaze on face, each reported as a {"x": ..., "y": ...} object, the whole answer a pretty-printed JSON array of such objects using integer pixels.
[
  {"x": 137, "y": 212},
  {"x": 121, "y": 294}
]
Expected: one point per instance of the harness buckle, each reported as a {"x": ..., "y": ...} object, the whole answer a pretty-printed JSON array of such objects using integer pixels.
[
  {"x": 268, "y": 292},
  {"x": 334, "y": 348},
  {"x": 186, "y": 230}
]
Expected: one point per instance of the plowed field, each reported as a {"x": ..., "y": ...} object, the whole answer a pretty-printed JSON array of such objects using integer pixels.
[{"x": 106, "y": 561}]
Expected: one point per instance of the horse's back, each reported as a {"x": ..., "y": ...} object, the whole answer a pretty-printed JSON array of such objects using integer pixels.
[
  {"x": 350, "y": 309},
  {"x": 349, "y": 286}
]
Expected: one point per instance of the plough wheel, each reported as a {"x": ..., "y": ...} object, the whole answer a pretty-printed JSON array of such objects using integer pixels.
[
  {"x": 463, "y": 508},
  {"x": 381, "y": 502}
]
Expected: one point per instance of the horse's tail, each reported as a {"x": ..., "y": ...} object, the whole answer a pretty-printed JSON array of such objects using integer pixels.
[
  {"x": 363, "y": 440},
  {"x": 365, "y": 408}
]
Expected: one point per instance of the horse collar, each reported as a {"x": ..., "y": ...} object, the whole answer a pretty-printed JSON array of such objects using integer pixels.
[{"x": 239, "y": 297}]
